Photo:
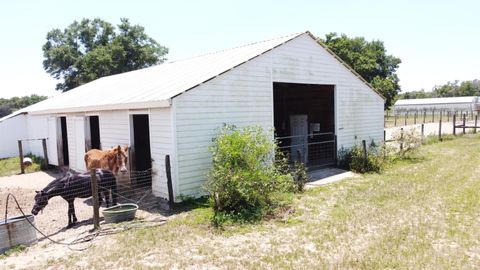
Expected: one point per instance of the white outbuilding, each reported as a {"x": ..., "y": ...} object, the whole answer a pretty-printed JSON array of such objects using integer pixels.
[
  {"x": 294, "y": 84},
  {"x": 468, "y": 104}
]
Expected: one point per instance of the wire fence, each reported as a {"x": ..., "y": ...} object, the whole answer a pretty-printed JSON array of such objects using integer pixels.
[
  {"x": 64, "y": 207},
  {"x": 413, "y": 117}
]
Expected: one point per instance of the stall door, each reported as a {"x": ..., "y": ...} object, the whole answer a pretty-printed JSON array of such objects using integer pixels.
[
  {"x": 52, "y": 148},
  {"x": 79, "y": 123},
  {"x": 299, "y": 133}
]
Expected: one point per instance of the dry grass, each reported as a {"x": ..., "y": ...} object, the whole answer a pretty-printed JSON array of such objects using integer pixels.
[{"x": 421, "y": 213}]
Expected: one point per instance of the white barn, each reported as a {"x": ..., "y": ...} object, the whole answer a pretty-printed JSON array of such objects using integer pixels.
[
  {"x": 446, "y": 104},
  {"x": 292, "y": 83}
]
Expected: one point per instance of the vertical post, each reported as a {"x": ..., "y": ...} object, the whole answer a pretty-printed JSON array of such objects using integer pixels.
[
  {"x": 169, "y": 181},
  {"x": 395, "y": 120},
  {"x": 45, "y": 154},
  {"x": 364, "y": 145},
  {"x": 433, "y": 115},
  {"x": 475, "y": 128},
  {"x": 401, "y": 139},
  {"x": 384, "y": 135},
  {"x": 440, "y": 129},
  {"x": 20, "y": 155},
  {"x": 463, "y": 123},
  {"x": 406, "y": 117},
  {"x": 441, "y": 112},
  {"x": 95, "y": 199},
  {"x": 453, "y": 121},
  {"x": 415, "y": 118},
  {"x": 424, "y": 115},
  {"x": 423, "y": 130},
  {"x": 448, "y": 116}
]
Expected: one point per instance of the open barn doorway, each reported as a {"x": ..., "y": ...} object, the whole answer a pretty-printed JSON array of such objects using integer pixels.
[
  {"x": 63, "y": 142},
  {"x": 92, "y": 132},
  {"x": 304, "y": 119},
  {"x": 140, "y": 155}
]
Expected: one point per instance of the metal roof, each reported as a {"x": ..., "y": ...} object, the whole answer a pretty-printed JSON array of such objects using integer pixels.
[
  {"x": 153, "y": 86},
  {"x": 435, "y": 101}
]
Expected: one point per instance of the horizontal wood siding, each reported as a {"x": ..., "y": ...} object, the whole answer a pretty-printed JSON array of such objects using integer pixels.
[
  {"x": 72, "y": 154},
  {"x": 359, "y": 110},
  {"x": 114, "y": 128},
  {"x": 244, "y": 96},
  {"x": 161, "y": 144}
]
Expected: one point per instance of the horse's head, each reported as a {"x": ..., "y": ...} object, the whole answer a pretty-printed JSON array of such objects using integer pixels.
[
  {"x": 41, "y": 200},
  {"x": 121, "y": 158}
]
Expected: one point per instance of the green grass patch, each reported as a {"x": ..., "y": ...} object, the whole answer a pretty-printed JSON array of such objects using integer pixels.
[{"x": 11, "y": 166}]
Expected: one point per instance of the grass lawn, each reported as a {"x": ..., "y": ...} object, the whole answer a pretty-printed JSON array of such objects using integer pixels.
[
  {"x": 422, "y": 213},
  {"x": 11, "y": 166}
]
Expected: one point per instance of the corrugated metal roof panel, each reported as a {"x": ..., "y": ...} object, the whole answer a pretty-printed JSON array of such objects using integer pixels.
[
  {"x": 433, "y": 101},
  {"x": 153, "y": 86}
]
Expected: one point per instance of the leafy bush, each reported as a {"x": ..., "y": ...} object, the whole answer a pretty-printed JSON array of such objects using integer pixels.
[
  {"x": 354, "y": 158},
  {"x": 409, "y": 140},
  {"x": 244, "y": 177}
]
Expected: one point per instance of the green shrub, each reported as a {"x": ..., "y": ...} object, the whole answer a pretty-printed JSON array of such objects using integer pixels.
[
  {"x": 244, "y": 176},
  {"x": 354, "y": 158}
]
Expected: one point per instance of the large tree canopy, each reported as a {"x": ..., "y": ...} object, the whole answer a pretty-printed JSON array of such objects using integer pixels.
[
  {"x": 91, "y": 49},
  {"x": 370, "y": 60}
]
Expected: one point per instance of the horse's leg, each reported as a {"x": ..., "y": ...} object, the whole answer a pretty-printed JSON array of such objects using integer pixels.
[
  {"x": 70, "y": 213},
  {"x": 71, "y": 205}
]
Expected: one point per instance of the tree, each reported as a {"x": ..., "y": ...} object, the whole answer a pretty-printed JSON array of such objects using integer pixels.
[
  {"x": 90, "y": 49},
  {"x": 7, "y": 106},
  {"x": 370, "y": 60}
]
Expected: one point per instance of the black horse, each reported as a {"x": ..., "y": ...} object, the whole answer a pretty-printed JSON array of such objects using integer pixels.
[{"x": 76, "y": 185}]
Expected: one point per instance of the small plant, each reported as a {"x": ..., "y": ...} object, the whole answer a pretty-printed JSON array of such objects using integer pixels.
[
  {"x": 354, "y": 158},
  {"x": 408, "y": 141},
  {"x": 244, "y": 177}
]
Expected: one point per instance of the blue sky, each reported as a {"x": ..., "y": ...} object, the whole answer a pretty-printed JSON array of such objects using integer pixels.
[{"x": 438, "y": 41}]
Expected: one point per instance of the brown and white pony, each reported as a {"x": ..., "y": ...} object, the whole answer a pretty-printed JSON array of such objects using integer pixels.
[{"x": 114, "y": 159}]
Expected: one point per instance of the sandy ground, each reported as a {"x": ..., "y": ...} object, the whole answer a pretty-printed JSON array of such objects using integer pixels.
[{"x": 53, "y": 220}]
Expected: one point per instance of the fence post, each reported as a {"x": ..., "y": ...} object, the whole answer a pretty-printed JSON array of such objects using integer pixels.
[
  {"x": 423, "y": 130},
  {"x": 95, "y": 200},
  {"x": 475, "y": 128},
  {"x": 364, "y": 145},
  {"x": 169, "y": 181},
  {"x": 384, "y": 135},
  {"x": 406, "y": 118},
  {"x": 448, "y": 116},
  {"x": 415, "y": 118},
  {"x": 401, "y": 139},
  {"x": 454, "y": 126},
  {"x": 424, "y": 115},
  {"x": 45, "y": 154},
  {"x": 433, "y": 115},
  {"x": 20, "y": 154},
  {"x": 395, "y": 120},
  {"x": 440, "y": 129},
  {"x": 463, "y": 123}
]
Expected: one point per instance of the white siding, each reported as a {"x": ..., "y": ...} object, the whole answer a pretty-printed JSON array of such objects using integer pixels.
[
  {"x": 37, "y": 127},
  {"x": 72, "y": 151},
  {"x": 244, "y": 96},
  {"x": 358, "y": 109},
  {"x": 11, "y": 130},
  {"x": 161, "y": 144},
  {"x": 114, "y": 128}
]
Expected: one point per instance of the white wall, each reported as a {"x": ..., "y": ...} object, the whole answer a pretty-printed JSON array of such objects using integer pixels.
[
  {"x": 23, "y": 127},
  {"x": 161, "y": 144},
  {"x": 244, "y": 96},
  {"x": 11, "y": 130}
]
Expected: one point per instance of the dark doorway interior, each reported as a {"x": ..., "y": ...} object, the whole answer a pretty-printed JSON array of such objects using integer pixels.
[
  {"x": 304, "y": 119},
  {"x": 141, "y": 150},
  {"x": 94, "y": 132},
  {"x": 63, "y": 125}
]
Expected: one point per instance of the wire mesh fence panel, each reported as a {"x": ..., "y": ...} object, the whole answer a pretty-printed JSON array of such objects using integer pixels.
[
  {"x": 63, "y": 207},
  {"x": 314, "y": 150}
]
